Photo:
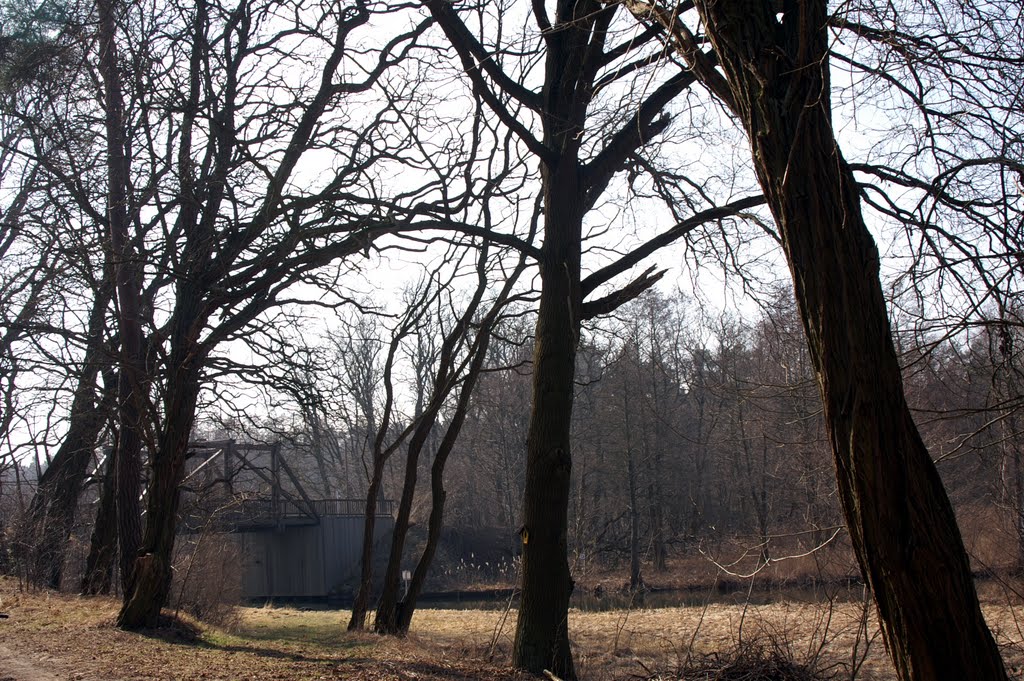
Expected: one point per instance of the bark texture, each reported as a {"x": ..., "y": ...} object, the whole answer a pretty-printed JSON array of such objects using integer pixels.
[
  {"x": 152, "y": 566},
  {"x": 900, "y": 520},
  {"x": 542, "y": 633}
]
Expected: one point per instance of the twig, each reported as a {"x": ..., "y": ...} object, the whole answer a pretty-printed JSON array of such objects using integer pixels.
[
  {"x": 500, "y": 626},
  {"x": 768, "y": 562}
]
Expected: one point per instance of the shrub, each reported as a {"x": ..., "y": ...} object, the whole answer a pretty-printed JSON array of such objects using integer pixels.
[
  {"x": 207, "y": 578},
  {"x": 762, "y": 659}
]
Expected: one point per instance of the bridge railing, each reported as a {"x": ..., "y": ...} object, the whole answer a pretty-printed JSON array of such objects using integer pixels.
[{"x": 247, "y": 512}]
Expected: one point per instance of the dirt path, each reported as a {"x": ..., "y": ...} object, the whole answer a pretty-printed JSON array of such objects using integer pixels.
[{"x": 15, "y": 667}]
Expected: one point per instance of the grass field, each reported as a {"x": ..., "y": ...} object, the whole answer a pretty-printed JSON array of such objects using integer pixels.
[{"x": 58, "y": 636}]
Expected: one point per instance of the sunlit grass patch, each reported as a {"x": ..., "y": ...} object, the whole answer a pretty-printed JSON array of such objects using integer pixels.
[{"x": 319, "y": 627}]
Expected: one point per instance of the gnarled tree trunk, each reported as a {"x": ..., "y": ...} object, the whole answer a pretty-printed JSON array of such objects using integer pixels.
[
  {"x": 900, "y": 520},
  {"x": 152, "y": 566}
]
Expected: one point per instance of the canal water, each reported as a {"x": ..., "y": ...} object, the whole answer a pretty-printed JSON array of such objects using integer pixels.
[{"x": 721, "y": 593}]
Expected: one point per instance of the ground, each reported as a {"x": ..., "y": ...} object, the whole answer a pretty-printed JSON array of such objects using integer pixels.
[{"x": 52, "y": 636}]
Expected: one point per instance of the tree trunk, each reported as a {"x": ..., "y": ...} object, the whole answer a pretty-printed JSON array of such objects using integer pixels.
[
  {"x": 542, "y": 631},
  {"x": 53, "y": 507},
  {"x": 126, "y": 276},
  {"x": 437, "y": 491},
  {"x": 636, "y": 580},
  {"x": 152, "y": 566},
  {"x": 362, "y": 601},
  {"x": 900, "y": 520},
  {"x": 99, "y": 565},
  {"x": 419, "y": 575},
  {"x": 700, "y": 452},
  {"x": 1012, "y": 467},
  {"x": 542, "y": 634},
  {"x": 574, "y": 56},
  {"x": 656, "y": 497},
  {"x": 386, "y": 621},
  {"x": 128, "y": 485},
  {"x": 1017, "y": 504}
]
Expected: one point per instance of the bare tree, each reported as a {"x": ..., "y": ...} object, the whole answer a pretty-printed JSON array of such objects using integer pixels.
[
  {"x": 41, "y": 46},
  {"x": 775, "y": 80},
  {"x": 244, "y": 230},
  {"x": 385, "y": 442},
  {"x": 456, "y": 370},
  {"x": 209, "y": 226},
  {"x": 582, "y": 74}
]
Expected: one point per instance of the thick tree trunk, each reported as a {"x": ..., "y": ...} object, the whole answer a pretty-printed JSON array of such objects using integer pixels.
[
  {"x": 574, "y": 54},
  {"x": 126, "y": 277},
  {"x": 542, "y": 631},
  {"x": 900, "y": 520},
  {"x": 152, "y": 566},
  {"x": 542, "y": 634}
]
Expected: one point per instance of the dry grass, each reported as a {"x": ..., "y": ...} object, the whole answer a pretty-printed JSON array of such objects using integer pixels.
[
  {"x": 52, "y": 635},
  {"x": 60, "y": 636}
]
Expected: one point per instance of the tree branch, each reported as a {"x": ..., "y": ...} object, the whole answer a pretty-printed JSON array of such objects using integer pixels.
[
  {"x": 612, "y": 301},
  {"x": 636, "y": 132},
  {"x": 475, "y": 62},
  {"x": 604, "y": 274}
]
